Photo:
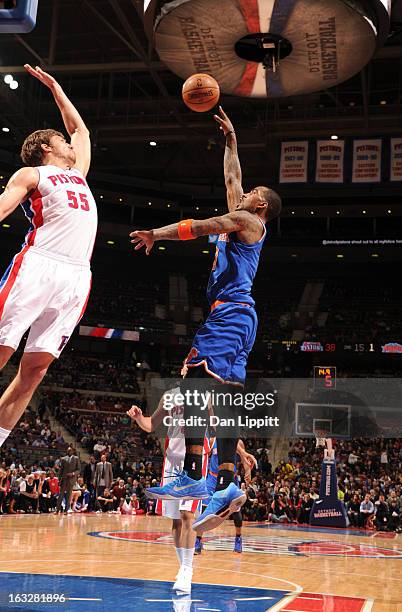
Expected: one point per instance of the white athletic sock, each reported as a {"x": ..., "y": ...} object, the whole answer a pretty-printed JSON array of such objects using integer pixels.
[
  {"x": 188, "y": 556},
  {"x": 4, "y": 433},
  {"x": 179, "y": 553}
]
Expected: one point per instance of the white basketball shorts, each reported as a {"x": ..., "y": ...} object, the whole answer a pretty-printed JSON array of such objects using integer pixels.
[
  {"x": 171, "y": 508},
  {"x": 46, "y": 293}
]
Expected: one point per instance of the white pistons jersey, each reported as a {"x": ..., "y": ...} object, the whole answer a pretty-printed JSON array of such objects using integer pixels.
[
  {"x": 46, "y": 287},
  {"x": 173, "y": 461},
  {"x": 62, "y": 213}
]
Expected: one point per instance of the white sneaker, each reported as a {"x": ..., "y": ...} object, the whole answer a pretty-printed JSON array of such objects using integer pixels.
[
  {"x": 183, "y": 582},
  {"x": 69, "y": 511},
  {"x": 182, "y": 604}
]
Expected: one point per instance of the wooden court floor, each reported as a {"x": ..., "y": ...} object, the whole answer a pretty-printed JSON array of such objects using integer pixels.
[{"x": 361, "y": 571}]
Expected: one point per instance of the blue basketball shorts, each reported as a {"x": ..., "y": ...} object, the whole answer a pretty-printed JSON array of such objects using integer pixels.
[{"x": 222, "y": 345}]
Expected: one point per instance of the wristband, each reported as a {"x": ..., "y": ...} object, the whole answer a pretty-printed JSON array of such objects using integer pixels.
[{"x": 184, "y": 230}]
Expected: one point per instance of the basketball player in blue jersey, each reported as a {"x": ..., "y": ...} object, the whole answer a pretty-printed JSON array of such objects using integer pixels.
[{"x": 221, "y": 346}]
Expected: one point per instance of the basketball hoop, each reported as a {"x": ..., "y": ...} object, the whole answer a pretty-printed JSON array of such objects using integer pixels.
[
  {"x": 320, "y": 439},
  {"x": 323, "y": 441}
]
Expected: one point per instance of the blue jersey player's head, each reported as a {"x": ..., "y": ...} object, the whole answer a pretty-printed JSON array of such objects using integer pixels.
[{"x": 261, "y": 201}]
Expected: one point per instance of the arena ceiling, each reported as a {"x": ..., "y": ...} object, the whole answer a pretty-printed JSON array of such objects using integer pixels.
[{"x": 100, "y": 54}]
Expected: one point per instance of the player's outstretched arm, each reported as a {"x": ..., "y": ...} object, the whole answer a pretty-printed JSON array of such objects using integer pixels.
[
  {"x": 17, "y": 190},
  {"x": 147, "y": 423},
  {"x": 144, "y": 422},
  {"x": 73, "y": 121},
  {"x": 190, "y": 229},
  {"x": 231, "y": 162}
]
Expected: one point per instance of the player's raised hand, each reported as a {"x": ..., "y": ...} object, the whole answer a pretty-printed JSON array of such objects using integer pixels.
[
  {"x": 41, "y": 75},
  {"x": 143, "y": 238},
  {"x": 134, "y": 412},
  {"x": 224, "y": 122},
  {"x": 250, "y": 460}
]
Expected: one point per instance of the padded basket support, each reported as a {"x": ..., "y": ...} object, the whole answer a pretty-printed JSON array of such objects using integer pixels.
[{"x": 19, "y": 20}]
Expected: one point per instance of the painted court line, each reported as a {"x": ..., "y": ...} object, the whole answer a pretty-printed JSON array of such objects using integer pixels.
[
  {"x": 170, "y": 599},
  {"x": 83, "y": 599},
  {"x": 252, "y": 598},
  {"x": 368, "y": 605}
]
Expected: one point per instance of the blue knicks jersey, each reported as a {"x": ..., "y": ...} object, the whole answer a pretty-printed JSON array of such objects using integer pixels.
[{"x": 234, "y": 268}]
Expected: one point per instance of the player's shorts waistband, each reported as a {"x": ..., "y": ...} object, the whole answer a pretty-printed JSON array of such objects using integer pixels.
[
  {"x": 67, "y": 260},
  {"x": 219, "y": 302}
]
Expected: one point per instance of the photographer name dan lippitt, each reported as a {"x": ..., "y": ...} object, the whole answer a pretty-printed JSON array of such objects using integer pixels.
[{"x": 171, "y": 420}]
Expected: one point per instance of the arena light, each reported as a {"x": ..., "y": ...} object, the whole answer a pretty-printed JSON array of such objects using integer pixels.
[
  {"x": 389, "y": 211},
  {"x": 206, "y": 252},
  {"x": 149, "y": 203},
  {"x": 197, "y": 208},
  {"x": 334, "y": 137},
  {"x": 8, "y": 79},
  {"x": 293, "y": 212},
  {"x": 339, "y": 256},
  {"x": 6, "y": 225},
  {"x": 364, "y": 212},
  {"x": 215, "y": 209},
  {"x": 294, "y": 255},
  {"x": 311, "y": 212},
  {"x": 351, "y": 103},
  {"x": 14, "y": 85},
  {"x": 374, "y": 255},
  {"x": 120, "y": 199},
  {"x": 5, "y": 129},
  {"x": 110, "y": 242},
  {"x": 168, "y": 205},
  {"x": 338, "y": 212},
  {"x": 161, "y": 248},
  {"x": 152, "y": 143},
  {"x": 383, "y": 102}
]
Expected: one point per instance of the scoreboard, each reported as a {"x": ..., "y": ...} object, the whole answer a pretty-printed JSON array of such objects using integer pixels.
[{"x": 324, "y": 377}]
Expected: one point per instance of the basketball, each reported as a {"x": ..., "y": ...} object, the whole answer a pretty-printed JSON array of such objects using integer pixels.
[{"x": 201, "y": 92}]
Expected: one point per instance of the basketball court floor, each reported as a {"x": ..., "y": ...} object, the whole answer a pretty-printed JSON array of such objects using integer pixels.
[{"x": 110, "y": 562}]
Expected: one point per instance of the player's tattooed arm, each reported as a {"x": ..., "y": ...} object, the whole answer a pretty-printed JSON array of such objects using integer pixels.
[
  {"x": 225, "y": 224},
  {"x": 17, "y": 190},
  {"x": 231, "y": 162},
  {"x": 73, "y": 121}
]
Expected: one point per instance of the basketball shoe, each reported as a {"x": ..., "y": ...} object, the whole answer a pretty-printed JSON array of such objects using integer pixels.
[
  {"x": 238, "y": 547},
  {"x": 183, "y": 487},
  {"x": 221, "y": 505},
  {"x": 183, "y": 580},
  {"x": 198, "y": 546}
]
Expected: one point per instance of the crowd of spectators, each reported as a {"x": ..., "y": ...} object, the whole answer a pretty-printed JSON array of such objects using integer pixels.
[
  {"x": 79, "y": 372},
  {"x": 369, "y": 480},
  {"x": 369, "y": 470},
  {"x": 369, "y": 476},
  {"x": 100, "y": 431}
]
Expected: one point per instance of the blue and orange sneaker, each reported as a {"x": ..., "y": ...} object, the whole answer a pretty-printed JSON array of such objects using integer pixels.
[
  {"x": 238, "y": 547},
  {"x": 183, "y": 487},
  {"x": 221, "y": 505}
]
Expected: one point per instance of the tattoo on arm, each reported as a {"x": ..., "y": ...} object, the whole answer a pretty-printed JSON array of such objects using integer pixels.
[{"x": 232, "y": 171}]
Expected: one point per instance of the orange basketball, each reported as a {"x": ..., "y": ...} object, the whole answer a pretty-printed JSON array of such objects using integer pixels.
[{"x": 200, "y": 92}]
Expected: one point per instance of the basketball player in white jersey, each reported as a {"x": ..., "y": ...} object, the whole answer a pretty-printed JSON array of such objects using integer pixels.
[
  {"x": 181, "y": 512},
  {"x": 47, "y": 285}
]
